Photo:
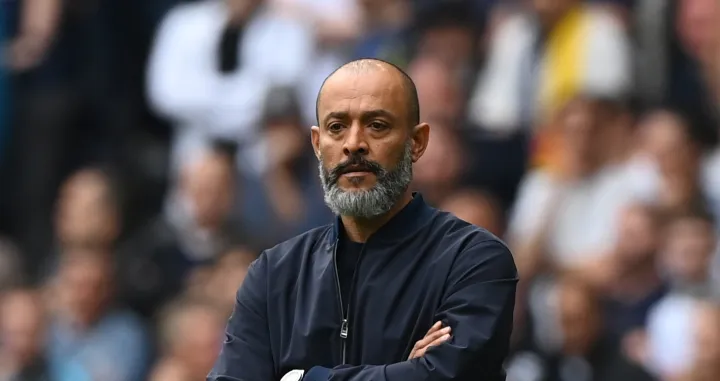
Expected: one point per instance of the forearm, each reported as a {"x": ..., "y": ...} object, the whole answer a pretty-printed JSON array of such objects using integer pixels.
[{"x": 40, "y": 18}]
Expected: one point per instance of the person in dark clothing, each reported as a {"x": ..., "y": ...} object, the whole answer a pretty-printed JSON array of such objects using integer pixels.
[
  {"x": 584, "y": 353},
  {"x": 350, "y": 301}
]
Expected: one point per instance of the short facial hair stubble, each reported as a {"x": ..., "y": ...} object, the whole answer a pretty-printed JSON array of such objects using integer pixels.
[{"x": 366, "y": 203}]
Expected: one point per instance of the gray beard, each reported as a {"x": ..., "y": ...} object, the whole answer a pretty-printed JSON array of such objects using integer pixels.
[{"x": 372, "y": 202}]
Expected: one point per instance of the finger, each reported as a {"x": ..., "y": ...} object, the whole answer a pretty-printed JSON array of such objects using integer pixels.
[
  {"x": 421, "y": 352},
  {"x": 436, "y": 342},
  {"x": 435, "y": 327},
  {"x": 432, "y": 337},
  {"x": 439, "y": 341}
]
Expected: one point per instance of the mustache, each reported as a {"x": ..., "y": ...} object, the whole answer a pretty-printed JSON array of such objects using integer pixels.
[{"x": 355, "y": 163}]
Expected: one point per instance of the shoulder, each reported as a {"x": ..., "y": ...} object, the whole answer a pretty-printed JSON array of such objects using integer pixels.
[
  {"x": 294, "y": 248},
  {"x": 476, "y": 249}
]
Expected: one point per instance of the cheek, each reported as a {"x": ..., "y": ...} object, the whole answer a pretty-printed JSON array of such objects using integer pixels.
[
  {"x": 387, "y": 153},
  {"x": 330, "y": 151}
]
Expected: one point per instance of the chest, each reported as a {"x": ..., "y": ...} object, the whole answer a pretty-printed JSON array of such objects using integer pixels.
[{"x": 390, "y": 303}]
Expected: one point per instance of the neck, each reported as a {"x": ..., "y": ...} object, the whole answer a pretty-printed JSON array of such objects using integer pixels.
[{"x": 360, "y": 229}]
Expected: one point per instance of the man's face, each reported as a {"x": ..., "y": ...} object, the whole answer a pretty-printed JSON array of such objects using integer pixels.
[
  {"x": 581, "y": 135},
  {"x": 453, "y": 45},
  {"x": 198, "y": 340},
  {"x": 666, "y": 140},
  {"x": 364, "y": 142},
  {"x": 440, "y": 96},
  {"x": 441, "y": 166},
  {"x": 208, "y": 187},
  {"x": 637, "y": 237},
  {"x": 689, "y": 247},
  {"x": 84, "y": 213}
]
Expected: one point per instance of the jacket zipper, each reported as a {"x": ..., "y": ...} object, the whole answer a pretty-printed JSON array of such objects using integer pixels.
[{"x": 345, "y": 323}]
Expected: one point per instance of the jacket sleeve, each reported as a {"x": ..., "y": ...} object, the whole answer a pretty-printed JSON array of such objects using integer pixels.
[
  {"x": 245, "y": 353},
  {"x": 478, "y": 305}
]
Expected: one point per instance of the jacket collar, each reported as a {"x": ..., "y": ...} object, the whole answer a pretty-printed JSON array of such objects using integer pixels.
[{"x": 407, "y": 221}]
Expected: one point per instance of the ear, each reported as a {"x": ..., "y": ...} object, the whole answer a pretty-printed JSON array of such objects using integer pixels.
[
  {"x": 420, "y": 138},
  {"x": 315, "y": 140}
]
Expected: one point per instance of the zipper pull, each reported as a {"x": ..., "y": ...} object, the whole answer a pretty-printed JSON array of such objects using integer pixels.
[{"x": 344, "y": 329}]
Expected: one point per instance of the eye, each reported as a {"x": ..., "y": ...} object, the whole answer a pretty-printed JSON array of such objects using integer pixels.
[
  {"x": 378, "y": 126},
  {"x": 335, "y": 127}
]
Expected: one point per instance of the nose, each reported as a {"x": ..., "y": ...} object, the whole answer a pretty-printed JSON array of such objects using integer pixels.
[{"x": 355, "y": 141}]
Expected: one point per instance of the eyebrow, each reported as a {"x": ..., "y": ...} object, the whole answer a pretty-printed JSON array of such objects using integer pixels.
[{"x": 371, "y": 114}]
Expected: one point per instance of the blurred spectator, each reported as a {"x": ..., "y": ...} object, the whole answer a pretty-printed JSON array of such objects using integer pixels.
[
  {"x": 675, "y": 41},
  {"x": 212, "y": 65},
  {"x": 631, "y": 284},
  {"x": 539, "y": 62},
  {"x": 566, "y": 218},
  {"x": 581, "y": 352},
  {"x": 673, "y": 167},
  {"x": 288, "y": 199},
  {"x": 88, "y": 211},
  {"x": 682, "y": 340},
  {"x": 630, "y": 208},
  {"x": 439, "y": 91},
  {"x": 191, "y": 335},
  {"x": 156, "y": 260},
  {"x": 440, "y": 169},
  {"x": 477, "y": 208},
  {"x": 89, "y": 337},
  {"x": 449, "y": 31},
  {"x": 22, "y": 325},
  {"x": 219, "y": 282},
  {"x": 690, "y": 242},
  {"x": 706, "y": 364},
  {"x": 338, "y": 24},
  {"x": 385, "y": 26}
]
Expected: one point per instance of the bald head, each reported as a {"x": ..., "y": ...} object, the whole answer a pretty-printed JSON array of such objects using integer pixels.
[{"x": 368, "y": 65}]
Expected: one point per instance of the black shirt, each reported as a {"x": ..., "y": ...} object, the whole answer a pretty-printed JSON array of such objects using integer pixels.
[{"x": 347, "y": 259}]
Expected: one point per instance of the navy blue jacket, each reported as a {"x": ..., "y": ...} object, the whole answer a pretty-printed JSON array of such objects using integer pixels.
[{"x": 422, "y": 266}]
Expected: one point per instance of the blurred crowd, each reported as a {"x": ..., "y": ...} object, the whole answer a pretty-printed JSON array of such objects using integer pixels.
[{"x": 151, "y": 149}]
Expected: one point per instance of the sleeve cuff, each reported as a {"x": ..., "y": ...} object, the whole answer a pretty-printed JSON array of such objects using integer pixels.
[{"x": 317, "y": 373}]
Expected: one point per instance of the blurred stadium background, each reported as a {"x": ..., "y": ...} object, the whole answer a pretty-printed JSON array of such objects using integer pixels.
[{"x": 150, "y": 149}]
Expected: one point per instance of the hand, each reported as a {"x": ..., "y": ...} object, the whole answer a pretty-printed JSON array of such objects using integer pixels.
[{"x": 434, "y": 337}]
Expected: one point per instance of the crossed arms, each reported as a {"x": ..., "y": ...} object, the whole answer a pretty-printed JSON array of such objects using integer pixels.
[{"x": 479, "y": 300}]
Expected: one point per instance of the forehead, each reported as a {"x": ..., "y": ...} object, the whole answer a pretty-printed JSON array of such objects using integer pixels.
[{"x": 356, "y": 91}]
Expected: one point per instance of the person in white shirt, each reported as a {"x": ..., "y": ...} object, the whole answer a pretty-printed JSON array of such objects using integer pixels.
[
  {"x": 529, "y": 57},
  {"x": 210, "y": 69},
  {"x": 567, "y": 218}
]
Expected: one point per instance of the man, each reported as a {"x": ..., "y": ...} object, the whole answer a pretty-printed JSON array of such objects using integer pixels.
[{"x": 349, "y": 301}]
